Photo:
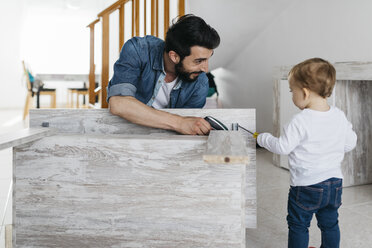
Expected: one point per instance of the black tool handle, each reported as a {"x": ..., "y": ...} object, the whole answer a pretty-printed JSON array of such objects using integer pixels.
[{"x": 217, "y": 125}]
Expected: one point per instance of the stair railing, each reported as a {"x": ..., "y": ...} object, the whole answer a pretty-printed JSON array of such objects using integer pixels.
[{"x": 103, "y": 17}]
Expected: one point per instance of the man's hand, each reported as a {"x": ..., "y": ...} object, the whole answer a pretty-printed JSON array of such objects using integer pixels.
[{"x": 193, "y": 126}]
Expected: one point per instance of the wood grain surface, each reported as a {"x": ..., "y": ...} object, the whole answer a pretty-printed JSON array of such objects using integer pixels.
[{"x": 101, "y": 181}]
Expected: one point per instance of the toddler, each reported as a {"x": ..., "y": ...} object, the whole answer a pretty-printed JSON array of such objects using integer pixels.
[{"x": 315, "y": 141}]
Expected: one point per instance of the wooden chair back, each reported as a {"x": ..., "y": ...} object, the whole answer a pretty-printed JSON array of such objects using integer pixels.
[{"x": 26, "y": 75}]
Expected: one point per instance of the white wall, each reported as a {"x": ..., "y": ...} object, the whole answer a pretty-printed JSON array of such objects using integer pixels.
[
  {"x": 11, "y": 86},
  {"x": 55, "y": 40},
  {"x": 336, "y": 30},
  {"x": 51, "y": 36},
  {"x": 238, "y": 22}
]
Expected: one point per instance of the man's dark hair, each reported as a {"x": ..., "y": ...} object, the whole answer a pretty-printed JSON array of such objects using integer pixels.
[{"x": 190, "y": 31}]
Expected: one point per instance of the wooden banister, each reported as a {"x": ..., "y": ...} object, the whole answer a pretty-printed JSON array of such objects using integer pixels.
[
  {"x": 166, "y": 16},
  {"x": 157, "y": 17},
  {"x": 112, "y": 8},
  {"x": 137, "y": 15},
  {"x": 145, "y": 13},
  {"x": 181, "y": 7},
  {"x": 121, "y": 26},
  {"x": 104, "y": 17},
  {"x": 133, "y": 18},
  {"x": 93, "y": 23},
  {"x": 92, "y": 81},
  {"x": 154, "y": 20},
  {"x": 105, "y": 58}
]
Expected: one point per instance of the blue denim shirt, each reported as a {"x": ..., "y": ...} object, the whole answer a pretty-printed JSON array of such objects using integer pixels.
[{"x": 138, "y": 69}]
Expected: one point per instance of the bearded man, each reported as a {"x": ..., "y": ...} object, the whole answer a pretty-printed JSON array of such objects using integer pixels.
[{"x": 151, "y": 74}]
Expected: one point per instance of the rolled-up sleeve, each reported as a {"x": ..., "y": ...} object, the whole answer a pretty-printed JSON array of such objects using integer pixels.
[{"x": 127, "y": 71}]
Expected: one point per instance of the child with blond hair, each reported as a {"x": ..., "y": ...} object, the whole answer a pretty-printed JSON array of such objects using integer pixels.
[{"x": 315, "y": 141}]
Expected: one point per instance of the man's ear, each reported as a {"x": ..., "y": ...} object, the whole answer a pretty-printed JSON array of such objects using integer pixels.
[
  {"x": 306, "y": 93},
  {"x": 174, "y": 57}
]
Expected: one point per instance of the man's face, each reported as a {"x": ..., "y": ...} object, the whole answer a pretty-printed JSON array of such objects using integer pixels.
[{"x": 191, "y": 66}]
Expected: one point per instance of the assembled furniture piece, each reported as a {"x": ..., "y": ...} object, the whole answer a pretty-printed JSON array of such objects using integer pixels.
[
  {"x": 92, "y": 179},
  {"x": 8, "y": 140},
  {"x": 353, "y": 95},
  {"x": 41, "y": 91}
]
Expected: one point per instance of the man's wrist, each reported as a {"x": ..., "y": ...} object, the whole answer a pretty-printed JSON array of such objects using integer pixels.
[
  {"x": 174, "y": 122},
  {"x": 178, "y": 123}
]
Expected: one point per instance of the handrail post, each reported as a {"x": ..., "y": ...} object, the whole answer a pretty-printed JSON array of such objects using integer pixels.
[
  {"x": 145, "y": 18},
  {"x": 92, "y": 76},
  {"x": 181, "y": 7},
  {"x": 91, "y": 68},
  {"x": 135, "y": 18},
  {"x": 166, "y": 17},
  {"x": 154, "y": 22},
  {"x": 121, "y": 26},
  {"x": 157, "y": 18},
  {"x": 105, "y": 58},
  {"x": 137, "y": 10}
]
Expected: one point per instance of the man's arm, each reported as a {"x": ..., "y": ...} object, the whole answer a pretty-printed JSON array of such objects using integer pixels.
[{"x": 136, "y": 112}]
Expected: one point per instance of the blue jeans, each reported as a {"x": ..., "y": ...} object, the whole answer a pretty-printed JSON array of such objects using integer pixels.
[{"x": 323, "y": 200}]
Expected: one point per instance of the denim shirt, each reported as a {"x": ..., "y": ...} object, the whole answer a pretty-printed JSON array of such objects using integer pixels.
[{"x": 138, "y": 69}]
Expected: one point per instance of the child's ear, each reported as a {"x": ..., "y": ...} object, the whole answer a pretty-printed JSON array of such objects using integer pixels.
[
  {"x": 306, "y": 93},
  {"x": 174, "y": 57}
]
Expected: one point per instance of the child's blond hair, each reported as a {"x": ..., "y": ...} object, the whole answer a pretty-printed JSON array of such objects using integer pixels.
[{"x": 316, "y": 74}]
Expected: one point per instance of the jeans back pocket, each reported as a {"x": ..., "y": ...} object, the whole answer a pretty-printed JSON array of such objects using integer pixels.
[
  {"x": 309, "y": 198},
  {"x": 338, "y": 197}
]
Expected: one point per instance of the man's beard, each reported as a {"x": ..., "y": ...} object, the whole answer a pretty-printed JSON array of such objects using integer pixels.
[{"x": 184, "y": 75}]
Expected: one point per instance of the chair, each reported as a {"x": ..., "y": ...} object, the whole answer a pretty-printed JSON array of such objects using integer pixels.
[
  {"x": 39, "y": 91},
  {"x": 85, "y": 92},
  {"x": 78, "y": 91}
]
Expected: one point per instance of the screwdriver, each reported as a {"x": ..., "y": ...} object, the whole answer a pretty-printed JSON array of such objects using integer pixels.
[{"x": 255, "y": 134}]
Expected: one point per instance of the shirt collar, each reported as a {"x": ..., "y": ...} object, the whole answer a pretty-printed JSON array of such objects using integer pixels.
[
  {"x": 159, "y": 58},
  {"x": 159, "y": 63}
]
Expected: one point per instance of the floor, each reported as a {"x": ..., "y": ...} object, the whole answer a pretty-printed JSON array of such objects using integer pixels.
[
  {"x": 272, "y": 192},
  {"x": 273, "y": 184}
]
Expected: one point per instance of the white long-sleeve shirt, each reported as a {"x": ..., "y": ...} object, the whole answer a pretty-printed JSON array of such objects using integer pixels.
[{"x": 315, "y": 143}]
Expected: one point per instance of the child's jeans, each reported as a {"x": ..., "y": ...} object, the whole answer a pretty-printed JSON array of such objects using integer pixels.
[{"x": 323, "y": 200}]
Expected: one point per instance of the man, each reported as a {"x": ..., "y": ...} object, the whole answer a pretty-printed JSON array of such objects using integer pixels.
[{"x": 152, "y": 74}]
